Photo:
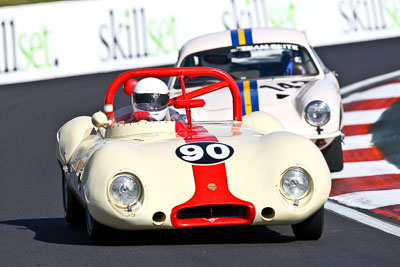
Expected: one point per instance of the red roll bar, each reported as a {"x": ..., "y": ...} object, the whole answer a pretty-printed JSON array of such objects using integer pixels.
[{"x": 225, "y": 81}]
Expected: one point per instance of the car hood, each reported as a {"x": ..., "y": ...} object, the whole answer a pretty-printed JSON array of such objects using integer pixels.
[
  {"x": 258, "y": 93},
  {"x": 164, "y": 138},
  {"x": 282, "y": 98}
]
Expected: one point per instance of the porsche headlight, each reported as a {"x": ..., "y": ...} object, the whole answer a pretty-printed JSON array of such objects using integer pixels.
[
  {"x": 125, "y": 189},
  {"x": 317, "y": 113},
  {"x": 295, "y": 182}
]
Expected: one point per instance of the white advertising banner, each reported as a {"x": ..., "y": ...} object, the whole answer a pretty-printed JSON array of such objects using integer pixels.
[{"x": 44, "y": 41}]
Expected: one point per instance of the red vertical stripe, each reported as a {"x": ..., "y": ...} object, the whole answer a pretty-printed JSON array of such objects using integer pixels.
[{"x": 203, "y": 176}]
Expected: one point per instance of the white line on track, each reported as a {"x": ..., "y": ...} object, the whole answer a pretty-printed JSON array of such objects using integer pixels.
[
  {"x": 370, "y": 82},
  {"x": 370, "y": 199},
  {"x": 384, "y": 91},
  {"x": 357, "y": 142},
  {"x": 362, "y": 117},
  {"x": 365, "y": 168},
  {"x": 363, "y": 218}
]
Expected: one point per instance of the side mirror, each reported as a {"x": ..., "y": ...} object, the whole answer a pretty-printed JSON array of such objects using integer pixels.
[
  {"x": 189, "y": 103},
  {"x": 99, "y": 119},
  {"x": 129, "y": 85}
]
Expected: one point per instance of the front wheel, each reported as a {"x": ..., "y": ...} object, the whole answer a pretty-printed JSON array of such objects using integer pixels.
[
  {"x": 311, "y": 228},
  {"x": 333, "y": 155},
  {"x": 98, "y": 232},
  {"x": 73, "y": 210}
]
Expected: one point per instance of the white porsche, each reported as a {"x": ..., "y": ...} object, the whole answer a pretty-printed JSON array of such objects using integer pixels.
[{"x": 278, "y": 72}]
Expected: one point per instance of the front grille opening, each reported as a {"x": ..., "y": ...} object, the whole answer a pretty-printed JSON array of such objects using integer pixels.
[{"x": 214, "y": 211}]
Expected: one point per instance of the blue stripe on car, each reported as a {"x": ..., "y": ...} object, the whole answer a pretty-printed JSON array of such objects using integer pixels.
[
  {"x": 249, "y": 36},
  {"x": 240, "y": 85},
  {"x": 254, "y": 96},
  {"x": 235, "y": 37}
]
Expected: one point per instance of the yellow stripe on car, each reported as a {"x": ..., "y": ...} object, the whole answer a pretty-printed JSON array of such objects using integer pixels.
[
  {"x": 247, "y": 96},
  {"x": 242, "y": 37}
]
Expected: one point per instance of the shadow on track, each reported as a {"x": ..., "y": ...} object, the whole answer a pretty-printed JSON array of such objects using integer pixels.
[{"x": 56, "y": 230}]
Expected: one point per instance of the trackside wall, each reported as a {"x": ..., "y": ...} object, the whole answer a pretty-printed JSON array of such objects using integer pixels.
[{"x": 51, "y": 40}]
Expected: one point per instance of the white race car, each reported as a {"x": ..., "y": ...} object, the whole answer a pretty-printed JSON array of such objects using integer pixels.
[
  {"x": 181, "y": 174},
  {"x": 278, "y": 72}
]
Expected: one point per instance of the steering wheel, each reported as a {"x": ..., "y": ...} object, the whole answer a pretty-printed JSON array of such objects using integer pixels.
[{"x": 140, "y": 116}]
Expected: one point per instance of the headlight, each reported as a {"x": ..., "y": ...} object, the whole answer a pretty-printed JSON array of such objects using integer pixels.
[
  {"x": 125, "y": 189},
  {"x": 317, "y": 113},
  {"x": 295, "y": 182}
]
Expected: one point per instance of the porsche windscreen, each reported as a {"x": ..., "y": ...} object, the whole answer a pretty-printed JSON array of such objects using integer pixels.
[{"x": 253, "y": 62}]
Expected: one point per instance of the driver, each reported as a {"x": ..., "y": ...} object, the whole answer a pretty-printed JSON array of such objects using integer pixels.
[
  {"x": 287, "y": 63},
  {"x": 150, "y": 101}
]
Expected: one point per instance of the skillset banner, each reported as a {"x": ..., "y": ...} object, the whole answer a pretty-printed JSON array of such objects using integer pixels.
[{"x": 58, "y": 39}]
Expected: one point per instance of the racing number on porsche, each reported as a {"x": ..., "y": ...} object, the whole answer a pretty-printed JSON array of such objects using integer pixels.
[{"x": 204, "y": 152}]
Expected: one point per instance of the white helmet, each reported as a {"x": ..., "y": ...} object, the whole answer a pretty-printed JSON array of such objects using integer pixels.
[{"x": 151, "y": 95}]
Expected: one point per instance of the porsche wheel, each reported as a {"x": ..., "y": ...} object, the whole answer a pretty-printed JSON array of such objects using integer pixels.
[
  {"x": 333, "y": 155},
  {"x": 98, "y": 232},
  {"x": 311, "y": 228},
  {"x": 73, "y": 210}
]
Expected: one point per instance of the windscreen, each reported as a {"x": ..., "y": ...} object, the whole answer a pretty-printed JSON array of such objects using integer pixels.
[{"x": 252, "y": 62}]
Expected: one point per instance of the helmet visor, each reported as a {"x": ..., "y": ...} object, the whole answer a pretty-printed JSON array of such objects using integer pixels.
[{"x": 151, "y": 102}]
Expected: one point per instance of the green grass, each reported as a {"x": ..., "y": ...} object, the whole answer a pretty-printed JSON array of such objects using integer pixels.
[
  {"x": 23, "y": 2},
  {"x": 386, "y": 134}
]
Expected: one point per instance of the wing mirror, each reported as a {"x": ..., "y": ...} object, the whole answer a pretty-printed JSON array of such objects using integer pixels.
[
  {"x": 99, "y": 119},
  {"x": 189, "y": 103}
]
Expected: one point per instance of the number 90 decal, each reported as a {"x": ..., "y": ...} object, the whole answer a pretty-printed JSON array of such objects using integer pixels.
[{"x": 204, "y": 152}]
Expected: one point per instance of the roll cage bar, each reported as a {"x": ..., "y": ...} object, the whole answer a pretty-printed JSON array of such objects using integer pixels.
[{"x": 184, "y": 100}]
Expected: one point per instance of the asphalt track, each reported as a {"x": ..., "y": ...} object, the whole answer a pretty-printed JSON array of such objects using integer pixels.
[
  {"x": 359, "y": 61},
  {"x": 34, "y": 233}
]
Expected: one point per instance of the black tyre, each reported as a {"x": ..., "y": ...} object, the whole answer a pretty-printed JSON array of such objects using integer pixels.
[
  {"x": 311, "y": 228},
  {"x": 74, "y": 213},
  {"x": 98, "y": 232},
  {"x": 334, "y": 155}
]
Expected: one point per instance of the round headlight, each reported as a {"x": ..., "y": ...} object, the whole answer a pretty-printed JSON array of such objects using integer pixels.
[
  {"x": 125, "y": 189},
  {"x": 317, "y": 113},
  {"x": 295, "y": 182}
]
